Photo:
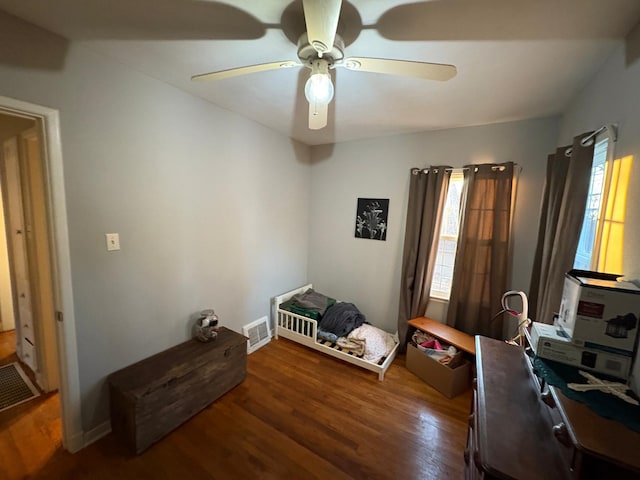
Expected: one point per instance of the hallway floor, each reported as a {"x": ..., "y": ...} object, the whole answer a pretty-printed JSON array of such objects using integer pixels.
[{"x": 30, "y": 433}]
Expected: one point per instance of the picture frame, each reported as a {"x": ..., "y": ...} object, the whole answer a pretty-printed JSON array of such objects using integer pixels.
[{"x": 372, "y": 218}]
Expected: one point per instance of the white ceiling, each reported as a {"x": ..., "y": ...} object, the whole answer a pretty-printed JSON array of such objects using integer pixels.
[{"x": 516, "y": 59}]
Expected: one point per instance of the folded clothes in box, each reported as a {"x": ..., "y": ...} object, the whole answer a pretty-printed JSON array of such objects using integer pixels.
[
  {"x": 441, "y": 352},
  {"x": 451, "y": 379}
]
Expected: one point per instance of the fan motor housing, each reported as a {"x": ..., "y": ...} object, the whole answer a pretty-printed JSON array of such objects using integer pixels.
[{"x": 307, "y": 53}]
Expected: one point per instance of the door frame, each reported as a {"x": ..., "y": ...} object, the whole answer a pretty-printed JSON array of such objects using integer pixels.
[{"x": 70, "y": 398}]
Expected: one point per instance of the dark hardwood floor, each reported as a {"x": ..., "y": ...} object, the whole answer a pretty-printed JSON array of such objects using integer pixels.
[{"x": 298, "y": 415}]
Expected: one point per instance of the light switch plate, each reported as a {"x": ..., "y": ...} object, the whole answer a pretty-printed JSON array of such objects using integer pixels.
[{"x": 113, "y": 241}]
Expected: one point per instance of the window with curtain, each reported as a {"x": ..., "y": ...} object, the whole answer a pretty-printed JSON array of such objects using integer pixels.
[
  {"x": 447, "y": 243},
  {"x": 602, "y": 234},
  {"x": 581, "y": 217},
  {"x": 483, "y": 258},
  {"x": 457, "y": 244}
]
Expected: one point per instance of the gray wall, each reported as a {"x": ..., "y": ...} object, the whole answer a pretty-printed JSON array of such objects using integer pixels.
[
  {"x": 613, "y": 96},
  {"x": 195, "y": 192},
  {"x": 367, "y": 272}
]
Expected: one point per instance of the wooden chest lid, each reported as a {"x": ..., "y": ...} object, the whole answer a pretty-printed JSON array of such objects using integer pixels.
[{"x": 161, "y": 368}]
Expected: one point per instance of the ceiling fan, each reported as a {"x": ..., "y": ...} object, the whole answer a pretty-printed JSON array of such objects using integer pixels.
[{"x": 321, "y": 49}]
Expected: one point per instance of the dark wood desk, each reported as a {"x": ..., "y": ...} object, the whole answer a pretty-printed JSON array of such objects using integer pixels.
[
  {"x": 518, "y": 430},
  {"x": 510, "y": 432},
  {"x": 598, "y": 447}
]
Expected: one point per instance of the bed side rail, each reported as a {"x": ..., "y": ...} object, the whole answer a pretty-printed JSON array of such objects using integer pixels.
[{"x": 297, "y": 324}]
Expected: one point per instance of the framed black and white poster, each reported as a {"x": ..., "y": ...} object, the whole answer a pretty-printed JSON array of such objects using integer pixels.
[{"x": 371, "y": 218}]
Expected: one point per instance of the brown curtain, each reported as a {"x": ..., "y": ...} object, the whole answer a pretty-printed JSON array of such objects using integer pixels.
[
  {"x": 427, "y": 194},
  {"x": 557, "y": 167},
  {"x": 561, "y": 216},
  {"x": 483, "y": 259}
]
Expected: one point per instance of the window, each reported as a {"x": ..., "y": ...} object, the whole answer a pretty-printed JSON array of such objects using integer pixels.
[
  {"x": 445, "y": 258},
  {"x": 601, "y": 238},
  {"x": 586, "y": 243}
]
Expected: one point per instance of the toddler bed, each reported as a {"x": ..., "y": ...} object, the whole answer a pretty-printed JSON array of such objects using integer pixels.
[{"x": 304, "y": 330}]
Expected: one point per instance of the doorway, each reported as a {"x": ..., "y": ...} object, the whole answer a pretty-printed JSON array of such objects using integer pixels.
[
  {"x": 26, "y": 288},
  {"x": 36, "y": 256}
]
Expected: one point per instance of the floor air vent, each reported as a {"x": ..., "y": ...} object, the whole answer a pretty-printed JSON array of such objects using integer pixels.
[
  {"x": 15, "y": 386},
  {"x": 258, "y": 333}
]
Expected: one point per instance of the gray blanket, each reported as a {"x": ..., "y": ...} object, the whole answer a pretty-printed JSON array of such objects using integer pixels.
[
  {"x": 341, "y": 319},
  {"x": 312, "y": 300}
]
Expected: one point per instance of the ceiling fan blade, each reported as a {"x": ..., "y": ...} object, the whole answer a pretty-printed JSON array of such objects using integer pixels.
[
  {"x": 429, "y": 71},
  {"x": 503, "y": 20},
  {"x": 321, "y": 18},
  {"x": 318, "y": 116},
  {"x": 141, "y": 20},
  {"x": 234, "y": 72}
]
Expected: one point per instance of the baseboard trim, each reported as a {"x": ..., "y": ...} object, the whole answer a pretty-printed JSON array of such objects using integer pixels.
[
  {"x": 75, "y": 442},
  {"x": 97, "y": 433}
]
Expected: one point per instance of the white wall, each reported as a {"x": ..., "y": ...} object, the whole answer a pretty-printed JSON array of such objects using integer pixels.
[
  {"x": 367, "y": 272},
  {"x": 194, "y": 191},
  {"x": 613, "y": 96}
]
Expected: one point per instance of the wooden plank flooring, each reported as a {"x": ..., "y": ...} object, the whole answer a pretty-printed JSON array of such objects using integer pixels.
[
  {"x": 30, "y": 433},
  {"x": 298, "y": 415}
]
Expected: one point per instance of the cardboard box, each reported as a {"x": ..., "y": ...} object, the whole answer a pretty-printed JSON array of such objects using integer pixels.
[
  {"x": 599, "y": 312},
  {"x": 548, "y": 342},
  {"x": 448, "y": 381}
]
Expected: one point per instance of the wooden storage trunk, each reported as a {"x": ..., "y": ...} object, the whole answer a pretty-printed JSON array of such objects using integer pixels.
[{"x": 154, "y": 396}]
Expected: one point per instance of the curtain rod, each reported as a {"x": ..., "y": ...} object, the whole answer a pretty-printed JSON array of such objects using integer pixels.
[
  {"x": 586, "y": 141},
  {"x": 495, "y": 168},
  {"x": 614, "y": 134}
]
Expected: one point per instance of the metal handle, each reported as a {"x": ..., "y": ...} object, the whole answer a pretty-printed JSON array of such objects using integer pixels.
[
  {"x": 547, "y": 398},
  {"x": 561, "y": 432}
]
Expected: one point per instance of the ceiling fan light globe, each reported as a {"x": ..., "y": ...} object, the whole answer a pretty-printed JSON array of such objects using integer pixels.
[{"x": 319, "y": 89}]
